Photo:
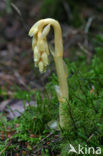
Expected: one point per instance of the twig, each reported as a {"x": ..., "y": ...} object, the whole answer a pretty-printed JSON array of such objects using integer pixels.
[
  {"x": 16, "y": 8},
  {"x": 38, "y": 150},
  {"x": 20, "y": 15},
  {"x": 86, "y": 30},
  {"x": 84, "y": 49},
  {"x": 68, "y": 10},
  {"x": 70, "y": 113},
  {"x": 90, "y": 138},
  {"x": 89, "y": 22},
  {"x": 88, "y": 54},
  {"x": 43, "y": 139},
  {"x": 20, "y": 79}
]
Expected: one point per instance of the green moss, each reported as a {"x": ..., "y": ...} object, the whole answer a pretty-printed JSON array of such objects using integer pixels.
[{"x": 85, "y": 108}]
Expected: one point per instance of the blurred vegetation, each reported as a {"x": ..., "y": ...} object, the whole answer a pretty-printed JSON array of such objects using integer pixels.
[{"x": 57, "y": 10}]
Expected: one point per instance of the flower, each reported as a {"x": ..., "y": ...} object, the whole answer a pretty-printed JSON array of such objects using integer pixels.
[
  {"x": 36, "y": 54},
  {"x": 41, "y": 66},
  {"x": 40, "y": 46},
  {"x": 44, "y": 57}
]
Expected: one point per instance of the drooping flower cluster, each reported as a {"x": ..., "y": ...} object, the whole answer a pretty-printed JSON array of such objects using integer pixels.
[{"x": 40, "y": 46}]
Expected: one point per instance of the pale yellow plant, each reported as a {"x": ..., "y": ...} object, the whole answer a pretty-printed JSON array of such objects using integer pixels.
[{"x": 39, "y": 32}]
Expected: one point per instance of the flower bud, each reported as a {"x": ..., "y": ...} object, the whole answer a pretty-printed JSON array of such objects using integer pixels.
[
  {"x": 41, "y": 66},
  {"x": 34, "y": 41},
  {"x": 46, "y": 31},
  {"x": 46, "y": 47},
  {"x": 36, "y": 54},
  {"x": 45, "y": 59},
  {"x": 40, "y": 45},
  {"x": 33, "y": 31}
]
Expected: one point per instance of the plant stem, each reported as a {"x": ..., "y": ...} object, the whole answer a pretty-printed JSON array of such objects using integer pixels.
[
  {"x": 63, "y": 95},
  {"x": 61, "y": 73}
]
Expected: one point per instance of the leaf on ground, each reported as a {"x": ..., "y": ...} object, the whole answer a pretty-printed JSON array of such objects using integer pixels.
[{"x": 15, "y": 108}]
